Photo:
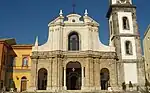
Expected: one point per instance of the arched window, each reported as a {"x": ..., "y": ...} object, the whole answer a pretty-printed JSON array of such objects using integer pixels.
[
  {"x": 25, "y": 61},
  {"x": 128, "y": 46},
  {"x": 125, "y": 23},
  {"x": 73, "y": 41}
]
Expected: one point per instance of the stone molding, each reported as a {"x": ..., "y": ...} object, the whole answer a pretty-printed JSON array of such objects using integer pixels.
[
  {"x": 120, "y": 7},
  {"x": 73, "y": 54}
]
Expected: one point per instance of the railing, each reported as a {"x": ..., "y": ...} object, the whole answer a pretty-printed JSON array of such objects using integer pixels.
[{"x": 22, "y": 67}]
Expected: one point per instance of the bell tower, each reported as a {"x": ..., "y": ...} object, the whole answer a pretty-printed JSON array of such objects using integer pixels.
[
  {"x": 112, "y": 2},
  {"x": 124, "y": 36}
]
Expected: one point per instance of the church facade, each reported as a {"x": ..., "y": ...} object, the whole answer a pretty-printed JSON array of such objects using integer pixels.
[{"x": 73, "y": 58}]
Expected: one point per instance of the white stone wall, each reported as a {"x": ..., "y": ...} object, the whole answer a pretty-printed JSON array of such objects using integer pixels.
[
  {"x": 130, "y": 70},
  {"x": 129, "y": 16},
  {"x": 127, "y": 31},
  {"x": 123, "y": 50},
  {"x": 87, "y": 30},
  {"x": 115, "y": 1}
]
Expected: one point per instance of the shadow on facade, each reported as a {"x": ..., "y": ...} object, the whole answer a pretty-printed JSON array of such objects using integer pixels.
[{"x": 8, "y": 83}]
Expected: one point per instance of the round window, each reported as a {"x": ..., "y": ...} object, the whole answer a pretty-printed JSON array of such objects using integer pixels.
[{"x": 73, "y": 20}]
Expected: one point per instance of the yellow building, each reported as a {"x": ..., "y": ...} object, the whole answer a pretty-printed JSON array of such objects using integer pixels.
[{"x": 22, "y": 67}]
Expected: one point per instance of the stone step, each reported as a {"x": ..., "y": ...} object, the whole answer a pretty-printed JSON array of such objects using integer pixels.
[{"x": 79, "y": 91}]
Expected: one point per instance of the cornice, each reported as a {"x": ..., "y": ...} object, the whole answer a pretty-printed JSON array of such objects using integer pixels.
[
  {"x": 73, "y": 54},
  {"x": 118, "y": 6},
  {"x": 22, "y": 46}
]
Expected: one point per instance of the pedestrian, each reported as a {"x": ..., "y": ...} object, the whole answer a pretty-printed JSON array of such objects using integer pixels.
[
  {"x": 124, "y": 86},
  {"x": 130, "y": 86}
]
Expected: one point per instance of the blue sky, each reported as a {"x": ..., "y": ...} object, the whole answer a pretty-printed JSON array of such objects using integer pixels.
[{"x": 26, "y": 19}]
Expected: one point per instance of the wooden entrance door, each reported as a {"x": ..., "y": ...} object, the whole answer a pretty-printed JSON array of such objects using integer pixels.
[{"x": 23, "y": 84}]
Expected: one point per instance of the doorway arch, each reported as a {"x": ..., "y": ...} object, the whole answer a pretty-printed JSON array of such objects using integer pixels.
[
  {"x": 73, "y": 79},
  {"x": 23, "y": 83},
  {"x": 42, "y": 79},
  {"x": 104, "y": 77}
]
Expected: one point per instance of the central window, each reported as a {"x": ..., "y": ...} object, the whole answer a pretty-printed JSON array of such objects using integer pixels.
[{"x": 73, "y": 41}]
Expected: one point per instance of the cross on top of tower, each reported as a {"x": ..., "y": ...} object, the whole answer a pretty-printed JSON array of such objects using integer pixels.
[{"x": 73, "y": 6}]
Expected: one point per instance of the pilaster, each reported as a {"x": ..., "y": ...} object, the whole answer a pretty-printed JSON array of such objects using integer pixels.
[
  {"x": 49, "y": 82},
  {"x": 113, "y": 74},
  {"x": 141, "y": 73},
  {"x": 60, "y": 72},
  {"x": 91, "y": 67},
  {"x": 55, "y": 74},
  {"x": 97, "y": 73},
  {"x": 33, "y": 81},
  {"x": 120, "y": 74},
  {"x": 87, "y": 73}
]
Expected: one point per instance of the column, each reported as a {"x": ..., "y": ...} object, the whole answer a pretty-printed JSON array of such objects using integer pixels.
[
  {"x": 82, "y": 78},
  {"x": 87, "y": 74},
  {"x": 65, "y": 88},
  {"x": 49, "y": 82}
]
